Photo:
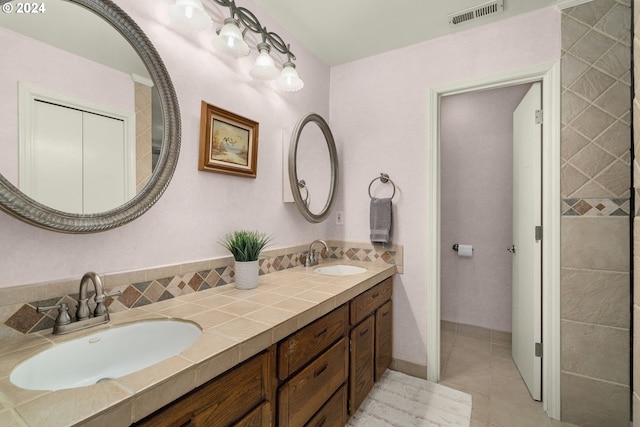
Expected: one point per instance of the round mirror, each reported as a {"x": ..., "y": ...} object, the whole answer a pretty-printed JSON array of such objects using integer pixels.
[
  {"x": 91, "y": 123},
  {"x": 313, "y": 167}
]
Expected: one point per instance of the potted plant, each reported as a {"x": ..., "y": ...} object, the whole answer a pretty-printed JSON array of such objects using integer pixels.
[{"x": 245, "y": 246}]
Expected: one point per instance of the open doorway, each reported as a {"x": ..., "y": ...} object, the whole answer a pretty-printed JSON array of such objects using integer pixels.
[
  {"x": 490, "y": 145},
  {"x": 548, "y": 74}
]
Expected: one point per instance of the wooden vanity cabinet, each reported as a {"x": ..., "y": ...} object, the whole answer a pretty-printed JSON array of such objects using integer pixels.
[
  {"x": 315, "y": 377},
  {"x": 371, "y": 340},
  {"x": 241, "y": 397}
]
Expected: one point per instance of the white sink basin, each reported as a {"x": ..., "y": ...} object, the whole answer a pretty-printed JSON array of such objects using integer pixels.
[
  {"x": 107, "y": 354},
  {"x": 340, "y": 270}
]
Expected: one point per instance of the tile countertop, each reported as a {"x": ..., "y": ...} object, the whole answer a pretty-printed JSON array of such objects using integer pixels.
[{"x": 236, "y": 324}]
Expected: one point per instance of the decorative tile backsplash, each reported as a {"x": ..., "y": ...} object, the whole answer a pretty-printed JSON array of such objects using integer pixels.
[
  {"x": 596, "y": 207},
  {"x": 26, "y": 319}
]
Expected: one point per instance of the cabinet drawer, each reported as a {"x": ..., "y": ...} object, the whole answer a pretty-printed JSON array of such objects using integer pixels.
[
  {"x": 229, "y": 397},
  {"x": 298, "y": 349},
  {"x": 306, "y": 392},
  {"x": 384, "y": 330},
  {"x": 362, "y": 363},
  {"x": 221, "y": 401},
  {"x": 259, "y": 417},
  {"x": 333, "y": 413},
  {"x": 365, "y": 303}
]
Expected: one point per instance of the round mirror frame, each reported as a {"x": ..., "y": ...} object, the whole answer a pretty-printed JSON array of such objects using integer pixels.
[
  {"x": 18, "y": 204},
  {"x": 293, "y": 172}
]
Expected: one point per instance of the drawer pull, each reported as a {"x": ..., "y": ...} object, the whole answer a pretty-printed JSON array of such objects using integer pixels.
[
  {"x": 364, "y": 331},
  {"x": 376, "y": 295},
  {"x": 321, "y": 333},
  {"x": 320, "y": 370},
  {"x": 321, "y": 421}
]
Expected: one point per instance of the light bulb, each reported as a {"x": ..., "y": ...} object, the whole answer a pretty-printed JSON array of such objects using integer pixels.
[
  {"x": 264, "y": 67},
  {"x": 230, "y": 40},
  {"x": 190, "y": 15},
  {"x": 289, "y": 80}
]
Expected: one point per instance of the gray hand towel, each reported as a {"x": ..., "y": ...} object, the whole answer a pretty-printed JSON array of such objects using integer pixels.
[{"x": 380, "y": 220}]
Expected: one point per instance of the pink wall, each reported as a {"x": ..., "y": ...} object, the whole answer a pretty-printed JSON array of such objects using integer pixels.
[
  {"x": 198, "y": 207},
  {"x": 476, "y": 154},
  {"x": 379, "y": 112}
]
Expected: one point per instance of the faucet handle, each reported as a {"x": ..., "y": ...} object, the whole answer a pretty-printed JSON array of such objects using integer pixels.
[
  {"x": 100, "y": 307},
  {"x": 114, "y": 294},
  {"x": 63, "y": 317}
]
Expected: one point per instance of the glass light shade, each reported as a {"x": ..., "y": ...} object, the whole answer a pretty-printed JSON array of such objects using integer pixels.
[
  {"x": 289, "y": 80},
  {"x": 190, "y": 15},
  {"x": 230, "y": 40},
  {"x": 264, "y": 67}
]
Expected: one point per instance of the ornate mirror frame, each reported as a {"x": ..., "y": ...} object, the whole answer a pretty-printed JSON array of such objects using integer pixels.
[
  {"x": 16, "y": 203},
  {"x": 293, "y": 172}
]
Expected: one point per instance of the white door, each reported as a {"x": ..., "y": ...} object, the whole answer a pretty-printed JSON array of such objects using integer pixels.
[
  {"x": 52, "y": 174},
  {"x": 104, "y": 163},
  {"x": 527, "y": 250}
]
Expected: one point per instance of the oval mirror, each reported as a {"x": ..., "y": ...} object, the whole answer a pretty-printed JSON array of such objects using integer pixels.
[
  {"x": 313, "y": 167},
  {"x": 91, "y": 123}
]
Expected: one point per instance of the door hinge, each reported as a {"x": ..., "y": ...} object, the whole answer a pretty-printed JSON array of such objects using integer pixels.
[
  {"x": 538, "y": 232},
  {"x": 538, "y": 349},
  {"x": 538, "y": 117}
]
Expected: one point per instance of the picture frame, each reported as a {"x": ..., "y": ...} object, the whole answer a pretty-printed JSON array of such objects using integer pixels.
[{"x": 228, "y": 142}]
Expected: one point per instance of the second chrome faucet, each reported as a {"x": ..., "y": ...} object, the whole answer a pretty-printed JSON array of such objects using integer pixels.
[{"x": 312, "y": 255}]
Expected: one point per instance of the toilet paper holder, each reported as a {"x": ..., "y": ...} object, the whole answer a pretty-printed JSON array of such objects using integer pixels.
[{"x": 456, "y": 246}]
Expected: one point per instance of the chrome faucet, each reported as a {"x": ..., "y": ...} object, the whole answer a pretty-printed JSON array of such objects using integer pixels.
[
  {"x": 82, "y": 312},
  {"x": 63, "y": 322},
  {"x": 312, "y": 256}
]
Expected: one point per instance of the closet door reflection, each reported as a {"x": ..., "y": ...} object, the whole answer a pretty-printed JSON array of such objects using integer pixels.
[{"x": 75, "y": 161}]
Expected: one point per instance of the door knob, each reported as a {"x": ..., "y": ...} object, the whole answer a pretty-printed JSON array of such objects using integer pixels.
[{"x": 512, "y": 249}]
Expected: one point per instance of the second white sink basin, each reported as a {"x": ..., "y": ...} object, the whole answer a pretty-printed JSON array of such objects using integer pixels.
[
  {"x": 108, "y": 354},
  {"x": 340, "y": 270}
]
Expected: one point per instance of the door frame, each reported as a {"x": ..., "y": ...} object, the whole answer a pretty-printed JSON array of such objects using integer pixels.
[{"x": 549, "y": 75}]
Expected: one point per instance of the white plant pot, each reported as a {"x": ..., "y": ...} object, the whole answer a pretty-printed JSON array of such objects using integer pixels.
[{"x": 246, "y": 274}]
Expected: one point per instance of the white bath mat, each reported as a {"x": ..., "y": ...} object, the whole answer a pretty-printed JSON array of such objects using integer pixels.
[{"x": 401, "y": 400}]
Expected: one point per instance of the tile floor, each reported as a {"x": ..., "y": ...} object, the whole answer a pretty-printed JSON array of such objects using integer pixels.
[{"x": 485, "y": 370}]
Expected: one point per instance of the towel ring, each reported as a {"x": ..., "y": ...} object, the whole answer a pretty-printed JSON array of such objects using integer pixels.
[
  {"x": 384, "y": 178},
  {"x": 302, "y": 185}
]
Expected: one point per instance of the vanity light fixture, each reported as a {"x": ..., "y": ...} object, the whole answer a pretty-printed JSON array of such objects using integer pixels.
[
  {"x": 230, "y": 41},
  {"x": 190, "y": 15}
]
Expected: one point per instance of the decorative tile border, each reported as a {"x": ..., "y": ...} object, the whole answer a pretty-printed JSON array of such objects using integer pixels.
[
  {"x": 596, "y": 207},
  {"x": 170, "y": 282}
]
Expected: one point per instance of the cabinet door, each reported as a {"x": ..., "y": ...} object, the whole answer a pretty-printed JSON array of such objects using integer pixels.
[
  {"x": 362, "y": 363},
  {"x": 384, "y": 342}
]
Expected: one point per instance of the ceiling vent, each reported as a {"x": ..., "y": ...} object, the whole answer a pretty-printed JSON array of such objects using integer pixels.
[{"x": 480, "y": 11}]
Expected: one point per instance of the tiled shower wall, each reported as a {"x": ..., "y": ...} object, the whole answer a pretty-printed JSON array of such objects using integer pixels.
[{"x": 596, "y": 119}]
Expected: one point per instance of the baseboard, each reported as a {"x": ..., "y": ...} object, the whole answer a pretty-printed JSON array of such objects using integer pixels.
[{"x": 409, "y": 368}]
